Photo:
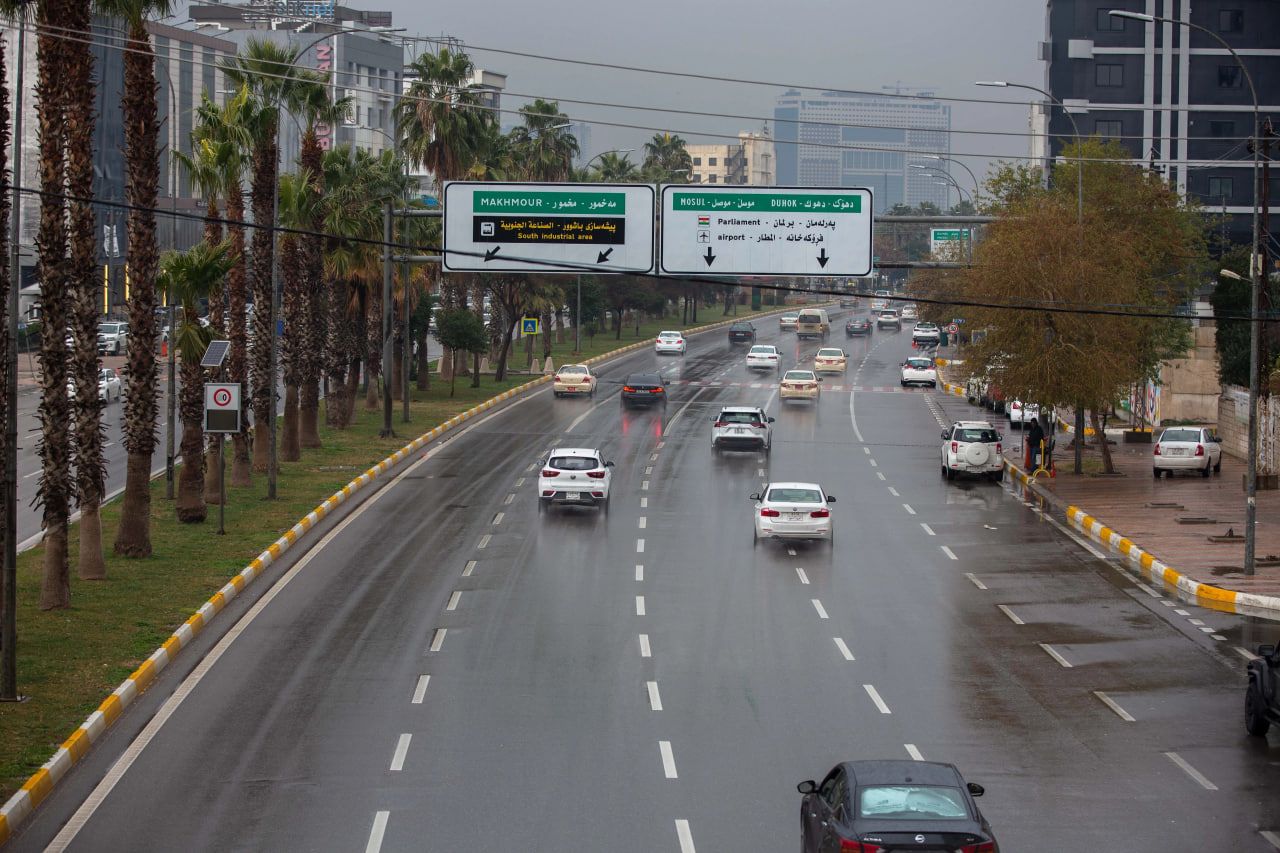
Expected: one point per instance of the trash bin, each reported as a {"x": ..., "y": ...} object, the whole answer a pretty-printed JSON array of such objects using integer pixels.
[{"x": 942, "y": 339}]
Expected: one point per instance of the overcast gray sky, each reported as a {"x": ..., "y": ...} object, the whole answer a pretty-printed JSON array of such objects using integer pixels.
[{"x": 855, "y": 44}]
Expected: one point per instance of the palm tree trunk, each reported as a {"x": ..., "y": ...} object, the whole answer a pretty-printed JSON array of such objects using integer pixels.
[
  {"x": 291, "y": 344},
  {"x": 373, "y": 345},
  {"x": 238, "y": 358},
  {"x": 5, "y": 281},
  {"x": 505, "y": 351},
  {"x": 218, "y": 323},
  {"x": 191, "y": 507},
  {"x": 336, "y": 355},
  {"x": 262, "y": 385},
  {"x": 315, "y": 293}
]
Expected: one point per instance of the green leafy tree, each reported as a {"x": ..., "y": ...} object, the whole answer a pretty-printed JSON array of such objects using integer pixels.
[
  {"x": 666, "y": 160},
  {"x": 614, "y": 168},
  {"x": 461, "y": 331},
  {"x": 1232, "y": 297}
]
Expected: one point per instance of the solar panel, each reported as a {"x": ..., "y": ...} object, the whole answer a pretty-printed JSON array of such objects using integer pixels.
[{"x": 215, "y": 354}]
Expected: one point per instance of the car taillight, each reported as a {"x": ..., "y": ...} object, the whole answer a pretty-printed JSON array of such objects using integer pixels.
[
  {"x": 655, "y": 390},
  {"x": 999, "y": 448},
  {"x": 1199, "y": 450},
  {"x": 1157, "y": 451},
  {"x": 720, "y": 424},
  {"x": 769, "y": 513},
  {"x": 955, "y": 447},
  {"x": 546, "y": 493},
  {"x": 756, "y": 425},
  {"x": 597, "y": 494},
  {"x": 847, "y": 846},
  {"x": 984, "y": 847},
  {"x": 680, "y": 341},
  {"x": 596, "y": 475},
  {"x": 628, "y": 389},
  {"x": 548, "y": 473},
  {"x": 820, "y": 513}
]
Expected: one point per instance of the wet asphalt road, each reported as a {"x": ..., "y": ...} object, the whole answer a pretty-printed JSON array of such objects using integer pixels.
[{"x": 455, "y": 671}]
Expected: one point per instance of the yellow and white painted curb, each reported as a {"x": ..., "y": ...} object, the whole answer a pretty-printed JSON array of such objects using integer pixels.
[{"x": 37, "y": 788}]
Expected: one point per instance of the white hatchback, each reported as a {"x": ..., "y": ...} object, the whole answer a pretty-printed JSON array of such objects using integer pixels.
[
  {"x": 793, "y": 511},
  {"x": 919, "y": 370},
  {"x": 1187, "y": 449},
  {"x": 764, "y": 357},
  {"x": 669, "y": 342},
  {"x": 574, "y": 476}
]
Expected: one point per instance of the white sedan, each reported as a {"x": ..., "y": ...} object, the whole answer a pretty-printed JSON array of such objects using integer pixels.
[
  {"x": 919, "y": 370},
  {"x": 1187, "y": 449},
  {"x": 574, "y": 476},
  {"x": 764, "y": 357},
  {"x": 574, "y": 379},
  {"x": 669, "y": 342},
  {"x": 830, "y": 360},
  {"x": 793, "y": 511}
]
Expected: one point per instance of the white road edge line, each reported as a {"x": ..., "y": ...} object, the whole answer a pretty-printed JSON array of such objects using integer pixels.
[
  {"x": 822, "y": 612},
  {"x": 875, "y": 697},
  {"x": 378, "y": 830},
  {"x": 420, "y": 691},
  {"x": 974, "y": 578},
  {"x": 668, "y": 759},
  {"x": 1111, "y": 703},
  {"x": 804, "y": 579},
  {"x": 915, "y": 753},
  {"x": 655, "y": 700},
  {"x": 685, "y": 836},
  {"x": 844, "y": 649},
  {"x": 1053, "y": 653},
  {"x": 402, "y": 750},
  {"x": 1195, "y": 774},
  {"x": 645, "y": 650},
  {"x": 1013, "y": 617}
]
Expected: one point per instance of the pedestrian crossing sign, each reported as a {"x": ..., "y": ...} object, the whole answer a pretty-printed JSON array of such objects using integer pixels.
[{"x": 529, "y": 326}]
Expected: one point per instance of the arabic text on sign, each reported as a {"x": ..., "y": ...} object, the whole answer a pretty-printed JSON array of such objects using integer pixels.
[
  {"x": 549, "y": 229},
  {"x": 597, "y": 203},
  {"x": 766, "y": 202}
]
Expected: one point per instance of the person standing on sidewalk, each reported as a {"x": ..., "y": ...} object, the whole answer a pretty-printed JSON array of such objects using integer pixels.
[{"x": 1035, "y": 435}]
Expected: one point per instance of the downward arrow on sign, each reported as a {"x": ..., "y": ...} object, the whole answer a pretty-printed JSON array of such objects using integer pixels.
[
  {"x": 708, "y": 257},
  {"x": 604, "y": 256},
  {"x": 492, "y": 253},
  {"x": 822, "y": 258}
]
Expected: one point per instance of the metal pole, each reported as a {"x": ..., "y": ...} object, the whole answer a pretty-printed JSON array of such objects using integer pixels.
[
  {"x": 406, "y": 344},
  {"x": 577, "y": 321},
  {"x": 273, "y": 350},
  {"x": 222, "y": 486},
  {"x": 388, "y": 355},
  {"x": 9, "y": 631},
  {"x": 172, "y": 402}
]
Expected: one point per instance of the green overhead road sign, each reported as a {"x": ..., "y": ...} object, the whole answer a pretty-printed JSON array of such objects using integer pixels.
[{"x": 938, "y": 237}]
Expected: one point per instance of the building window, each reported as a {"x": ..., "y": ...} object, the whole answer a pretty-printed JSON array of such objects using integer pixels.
[
  {"x": 1220, "y": 188},
  {"x": 1109, "y": 75},
  {"x": 1230, "y": 20},
  {"x": 1109, "y": 23},
  {"x": 711, "y": 179},
  {"x": 697, "y": 161},
  {"x": 1222, "y": 129},
  {"x": 697, "y": 179},
  {"x": 1229, "y": 77},
  {"x": 1108, "y": 129},
  {"x": 711, "y": 161}
]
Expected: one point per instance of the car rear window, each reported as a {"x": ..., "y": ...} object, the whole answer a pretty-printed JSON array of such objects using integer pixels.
[
  {"x": 810, "y": 318},
  {"x": 1181, "y": 435},
  {"x": 920, "y": 363},
  {"x": 766, "y": 350},
  {"x": 912, "y": 802},
  {"x": 644, "y": 379},
  {"x": 799, "y": 375},
  {"x": 975, "y": 435},
  {"x": 668, "y": 334},
  {"x": 576, "y": 369},
  {"x": 831, "y": 353},
  {"x": 574, "y": 463},
  {"x": 795, "y": 496},
  {"x": 740, "y": 327},
  {"x": 739, "y": 418}
]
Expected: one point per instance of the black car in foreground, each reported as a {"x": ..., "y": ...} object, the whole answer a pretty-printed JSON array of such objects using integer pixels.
[
  {"x": 742, "y": 333},
  {"x": 644, "y": 389},
  {"x": 858, "y": 326},
  {"x": 876, "y": 806},
  {"x": 1262, "y": 696}
]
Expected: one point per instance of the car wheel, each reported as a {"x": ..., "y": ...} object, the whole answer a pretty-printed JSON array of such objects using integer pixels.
[
  {"x": 1208, "y": 467},
  {"x": 1156, "y": 473},
  {"x": 1255, "y": 712},
  {"x": 997, "y": 476},
  {"x": 755, "y": 536},
  {"x": 1217, "y": 466},
  {"x": 951, "y": 474}
]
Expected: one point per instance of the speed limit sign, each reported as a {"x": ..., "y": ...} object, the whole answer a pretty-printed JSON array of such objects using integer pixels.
[{"x": 222, "y": 407}]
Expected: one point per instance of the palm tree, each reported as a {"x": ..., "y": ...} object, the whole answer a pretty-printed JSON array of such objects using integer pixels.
[
  {"x": 9, "y": 12},
  {"x": 615, "y": 169},
  {"x": 298, "y": 202},
  {"x": 666, "y": 159},
  {"x": 545, "y": 148},
  {"x": 191, "y": 275}
]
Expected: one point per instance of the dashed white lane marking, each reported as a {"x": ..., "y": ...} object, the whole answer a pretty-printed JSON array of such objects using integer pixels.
[
  {"x": 378, "y": 830},
  {"x": 1167, "y": 603},
  {"x": 1111, "y": 703},
  {"x": 530, "y": 467},
  {"x": 454, "y": 599},
  {"x": 974, "y": 578},
  {"x": 685, "y": 836},
  {"x": 639, "y": 546},
  {"x": 1245, "y": 653},
  {"x": 645, "y": 650},
  {"x": 928, "y": 529},
  {"x": 866, "y": 450},
  {"x": 804, "y": 578},
  {"x": 880, "y": 475},
  {"x": 655, "y": 700},
  {"x": 875, "y": 697},
  {"x": 420, "y": 690},
  {"x": 520, "y": 482},
  {"x": 644, "y": 522},
  {"x": 1272, "y": 838},
  {"x": 644, "y": 503},
  {"x": 437, "y": 639},
  {"x": 894, "y": 492},
  {"x": 1053, "y": 653},
  {"x": 639, "y": 572},
  {"x": 668, "y": 760},
  {"x": 949, "y": 552},
  {"x": 1196, "y": 622},
  {"x": 484, "y": 540},
  {"x": 1181, "y": 612},
  {"x": 844, "y": 650},
  {"x": 402, "y": 750},
  {"x": 791, "y": 552},
  {"x": 648, "y": 470},
  {"x": 873, "y": 463},
  {"x": 1216, "y": 637},
  {"x": 909, "y": 510},
  {"x": 469, "y": 568},
  {"x": 915, "y": 753},
  {"x": 1191, "y": 771},
  {"x": 759, "y": 472},
  {"x": 1013, "y": 617},
  {"x": 639, "y": 605},
  {"x": 817, "y": 605},
  {"x": 29, "y": 476},
  {"x": 508, "y": 499},
  {"x": 653, "y": 457},
  {"x": 644, "y": 486},
  {"x": 497, "y": 519}
]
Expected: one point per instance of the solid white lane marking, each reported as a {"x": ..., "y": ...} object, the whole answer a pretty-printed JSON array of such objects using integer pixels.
[
  {"x": 453, "y": 600},
  {"x": 644, "y": 503},
  {"x": 645, "y": 650},
  {"x": 894, "y": 492},
  {"x": 644, "y": 522},
  {"x": 668, "y": 759},
  {"x": 853, "y": 417},
  {"x": 1053, "y": 653},
  {"x": 508, "y": 499},
  {"x": 639, "y": 605},
  {"x": 421, "y": 689},
  {"x": 655, "y": 700},
  {"x": 804, "y": 578},
  {"x": 497, "y": 519},
  {"x": 1245, "y": 653},
  {"x": 928, "y": 529},
  {"x": 685, "y": 836},
  {"x": 29, "y": 476},
  {"x": 844, "y": 650},
  {"x": 1191, "y": 771},
  {"x": 639, "y": 572},
  {"x": 639, "y": 546},
  {"x": 402, "y": 749},
  {"x": 644, "y": 487},
  {"x": 949, "y": 552},
  {"x": 979, "y": 584},
  {"x": 1013, "y": 617},
  {"x": 817, "y": 605},
  {"x": 484, "y": 540},
  {"x": 909, "y": 510},
  {"x": 875, "y": 697},
  {"x": 881, "y": 476},
  {"x": 1111, "y": 703},
  {"x": 377, "y": 832},
  {"x": 469, "y": 568},
  {"x": 1272, "y": 838},
  {"x": 437, "y": 639},
  {"x": 915, "y": 753}
]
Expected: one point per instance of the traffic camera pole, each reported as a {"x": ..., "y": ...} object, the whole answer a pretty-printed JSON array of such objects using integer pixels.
[{"x": 388, "y": 354}]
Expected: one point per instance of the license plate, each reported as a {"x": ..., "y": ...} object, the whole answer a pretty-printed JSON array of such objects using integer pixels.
[
  {"x": 795, "y": 516},
  {"x": 1177, "y": 451},
  {"x": 573, "y": 387},
  {"x": 571, "y": 496},
  {"x": 736, "y": 431}
]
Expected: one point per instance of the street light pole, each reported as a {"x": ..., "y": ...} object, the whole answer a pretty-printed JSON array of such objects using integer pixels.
[
  {"x": 959, "y": 163},
  {"x": 577, "y": 322},
  {"x": 1256, "y": 274}
]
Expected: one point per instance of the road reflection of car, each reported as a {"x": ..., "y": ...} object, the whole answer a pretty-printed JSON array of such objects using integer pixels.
[
  {"x": 793, "y": 511},
  {"x": 787, "y": 322},
  {"x": 1262, "y": 695},
  {"x": 764, "y": 357},
  {"x": 881, "y": 806},
  {"x": 1186, "y": 449},
  {"x": 889, "y": 319},
  {"x": 644, "y": 389},
  {"x": 108, "y": 385},
  {"x": 742, "y": 332},
  {"x": 858, "y": 326},
  {"x": 972, "y": 447},
  {"x": 830, "y": 360},
  {"x": 926, "y": 333},
  {"x": 574, "y": 476},
  {"x": 669, "y": 342},
  {"x": 574, "y": 379},
  {"x": 742, "y": 427},
  {"x": 799, "y": 385},
  {"x": 919, "y": 370}
]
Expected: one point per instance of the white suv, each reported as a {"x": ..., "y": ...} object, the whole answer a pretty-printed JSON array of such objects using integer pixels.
[
  {"x": 669, "y": 342},
  {"x": 926, "y": 333},
  {"x": 972, "y": 447},
  {"x": 742, "y": 426},
  {"x": 574, "y": 476}
]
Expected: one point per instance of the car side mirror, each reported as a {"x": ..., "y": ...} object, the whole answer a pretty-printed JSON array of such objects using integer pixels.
[
  {"x": 755, "y": 496},
  {"x": 831, "y": 499},
  {"x": 1267, "y": 650},
  {"x": 808, "y": 786},
  {"x": 608, "y": 464},
  {"x": 975, "y": 789},
  {"x": 819, "y": 378},
  {"x": 1217, "y": 439},
  {"x": 999, "y": 436},
  {"x": 770, "y": 420},
  {"x": 946, "y": 434}
]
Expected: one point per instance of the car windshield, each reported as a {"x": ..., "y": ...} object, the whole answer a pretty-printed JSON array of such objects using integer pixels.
[
  {"x": 1181, "y": 435},
  {"x": 764, "y": 350},
  {"x": 794, "y": 495},
  {"x": 109, "y": 328},
  {"x": 975, "y": 434},
  {"x": 740, "y": 418},
  {"x": 799, "y": 375},
  {"x": 914, "y": 802},
  {"x": 920, "y": 363},
  {"x": 831, "y": 353},
  {"x": 574, "y": 463}
]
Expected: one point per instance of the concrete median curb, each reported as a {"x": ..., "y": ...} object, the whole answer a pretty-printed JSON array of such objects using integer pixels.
[{"x": 38, "y": 787}]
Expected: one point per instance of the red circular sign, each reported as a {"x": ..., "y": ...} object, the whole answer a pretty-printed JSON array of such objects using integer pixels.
[{"x": 222, "y": 397}]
